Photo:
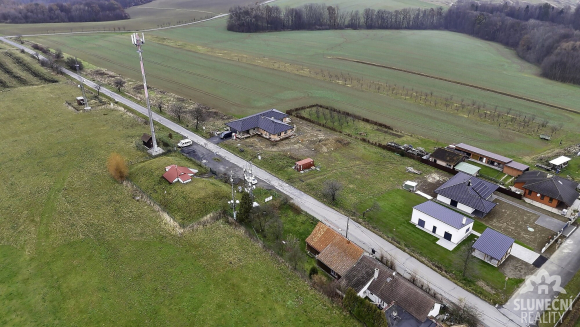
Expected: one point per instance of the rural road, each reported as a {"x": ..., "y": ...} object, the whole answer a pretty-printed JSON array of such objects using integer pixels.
[{"x": 405, "y": 264}]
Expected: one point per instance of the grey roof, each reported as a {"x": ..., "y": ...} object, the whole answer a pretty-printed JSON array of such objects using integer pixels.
[
  {"x": 389, "y": 288},
  {"x": 448, "y": 156},
  {"x": 443, "y": 214},
  {"x": 269, "y": 120},
  {"x": 470, "y": 191},
  {"x": 361, "y": 273},
  {"x": 556, "y": 187},
  {"x": 482, "y": 152},
  {"x": 517, "y": 165},
  {"x": 405, "y": 319},
  {"x": 493, "y": 243}
]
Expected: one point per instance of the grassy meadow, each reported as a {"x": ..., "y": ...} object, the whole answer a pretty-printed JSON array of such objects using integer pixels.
[
  {"x": 77, "y": 249},
  {"x": 244, "y": 73}
]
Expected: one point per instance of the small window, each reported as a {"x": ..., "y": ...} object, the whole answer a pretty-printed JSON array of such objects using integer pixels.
[
  {"x": 542, "y": 197},
  {"x": 467, "y": 231},
  {"x": 529, "y": 192},
  {"x": 550, "y": 200}
]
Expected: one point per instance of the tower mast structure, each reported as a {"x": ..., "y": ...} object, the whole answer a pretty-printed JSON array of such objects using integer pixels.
[
  {"x": 82, "y": 85},
  {"x": 138, "y": 41}
]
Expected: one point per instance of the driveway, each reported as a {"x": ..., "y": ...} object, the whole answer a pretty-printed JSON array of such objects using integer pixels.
[{"x": 405, "y": 264}]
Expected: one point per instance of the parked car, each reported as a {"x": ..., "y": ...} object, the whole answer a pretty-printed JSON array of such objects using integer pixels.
[
  {"x": 225, "y": 135},
  {"x": 184, "y": 143}
]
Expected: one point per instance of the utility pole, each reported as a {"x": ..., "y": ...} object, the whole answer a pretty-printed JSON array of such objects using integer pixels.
[
  {"x": 233, "y": 197},
  {"x": 138, "y": 41},
  {"x": 82, "y": 86}
]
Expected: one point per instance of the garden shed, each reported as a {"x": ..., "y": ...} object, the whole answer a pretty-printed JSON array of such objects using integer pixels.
[{"x": 304, "y": 164}]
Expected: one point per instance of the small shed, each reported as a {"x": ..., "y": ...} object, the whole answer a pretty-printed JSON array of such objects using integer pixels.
[
  {"x": 304, "y": 164},
  {"x": 468, "y": 168},
  {"x": 560, "y": 162},
  {"x": 147, "y": 140},
  {"x": 80, "y": 101},
  {"x": 410, "y": 186},
  {"x": 493, "y": 247}
]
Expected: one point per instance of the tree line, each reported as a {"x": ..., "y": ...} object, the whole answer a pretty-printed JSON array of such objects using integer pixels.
[
  {"x": 540, "y": 34},
  {"x": 14, "y": 12},
  {"x": 313, "y": 16}
]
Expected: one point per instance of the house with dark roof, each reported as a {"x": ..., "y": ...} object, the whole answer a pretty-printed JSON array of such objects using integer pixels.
[
  {"x": 504, "y": 164},
  {"x": 442, "y": 222},
  {"x": 467, "y": 193},
  {"x": 271, "y": 124},
  {"x": 546, "y": 189},
  {"x": 384, "y": 287},
  {"x": 446, "y": 157},
  {"x": 334, "y": 253},
  {"x": 493, "y": 247}
]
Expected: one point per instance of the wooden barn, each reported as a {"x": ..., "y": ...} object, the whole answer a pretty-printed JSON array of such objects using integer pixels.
[
  {"x": 147, "y": 140},
  {"x": 304, "y": 164}
]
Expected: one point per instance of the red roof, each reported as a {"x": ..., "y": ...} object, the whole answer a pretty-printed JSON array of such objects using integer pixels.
[
  {"x": 174, "y": 172},
  {"x": 303, "y": 161}
]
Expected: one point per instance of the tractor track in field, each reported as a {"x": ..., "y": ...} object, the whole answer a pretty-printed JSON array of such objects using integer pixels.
[
  {"x": 458, "y": 83},
  {"x": 160, "y": 78},
  {"x": 249, "y": 90}
]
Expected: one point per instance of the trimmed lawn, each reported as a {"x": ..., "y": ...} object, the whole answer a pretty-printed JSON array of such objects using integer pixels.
[
  {"x": 393, "y": 218},
  {"x": 187, "y": 203},
  {"x": 77, "y": 250}
]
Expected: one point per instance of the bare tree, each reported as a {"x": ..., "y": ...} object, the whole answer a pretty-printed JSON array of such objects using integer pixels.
[
  {"x": 294, "y": 254},
  {"x": 198, "y": 115},
  {"x": 119, "y": 83},
  {"x": 331, "y": 189},
  {"x": 178, "y": 109},
  {"x": 159, "y": 105}
]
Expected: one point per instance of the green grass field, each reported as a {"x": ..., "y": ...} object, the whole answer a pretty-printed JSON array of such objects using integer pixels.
[
  {"x": 393, "y": 220},
  {"x": 77, "y": 250},
  {"x": 242, "y": 87},
  {"x": 158, "y": 13}
]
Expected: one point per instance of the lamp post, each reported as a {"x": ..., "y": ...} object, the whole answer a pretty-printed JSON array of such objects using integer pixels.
[{"x": 138, "y": 41}]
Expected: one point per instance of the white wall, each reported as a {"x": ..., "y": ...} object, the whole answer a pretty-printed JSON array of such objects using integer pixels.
[
  {"x": 456, "y": 234},
  {"x": 460, "y": 206}
]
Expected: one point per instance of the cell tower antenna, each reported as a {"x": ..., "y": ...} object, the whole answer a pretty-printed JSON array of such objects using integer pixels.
[
  {"x": 82, "y": 86},
  {"x": 138, "y": 41}
]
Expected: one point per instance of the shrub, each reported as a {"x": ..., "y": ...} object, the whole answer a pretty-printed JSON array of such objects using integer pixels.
[
  {"x": 364, "y": 310},
  {"x": 313, "y": 271},
  {"x": 117, "y": 167}
]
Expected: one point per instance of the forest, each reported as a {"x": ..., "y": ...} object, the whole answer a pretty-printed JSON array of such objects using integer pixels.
[
  {"x": 64, "y": 11},
  {"x": 541, "y": 34}
]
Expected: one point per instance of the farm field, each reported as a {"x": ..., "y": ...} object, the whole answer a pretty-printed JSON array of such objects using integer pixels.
[
  {"x": 155, "y": 14},
  {"x": 77, "y": 249},
  {"x": 225, "y": 73}
]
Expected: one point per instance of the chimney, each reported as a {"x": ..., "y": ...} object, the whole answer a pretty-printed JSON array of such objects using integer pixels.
[
  {"x": 469, "y": 182},
  {"x": 464, "y": 220},
  {"x": 376, "y": 273}
]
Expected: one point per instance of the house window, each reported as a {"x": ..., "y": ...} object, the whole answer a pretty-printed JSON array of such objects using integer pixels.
[
  {"x": 550, "y": 200},
  {"x": 541, "y": 197},
  {"x": 529, "y": 192},
  {"x": 467, "y": 231},
  {"x": 421, "y": 223}
]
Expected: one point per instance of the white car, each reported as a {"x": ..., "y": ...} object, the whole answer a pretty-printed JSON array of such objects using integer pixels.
[{"x": 184, "y": 143}]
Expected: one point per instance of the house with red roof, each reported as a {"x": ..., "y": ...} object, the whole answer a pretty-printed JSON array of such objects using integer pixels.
[{"x": 174, "y": 173}]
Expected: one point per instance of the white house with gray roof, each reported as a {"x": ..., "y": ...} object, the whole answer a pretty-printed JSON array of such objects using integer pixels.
[
  {"x": 493, "y": 247},
  {"x": 271, "y": 124},
  {"x": 442, "y": 221}
]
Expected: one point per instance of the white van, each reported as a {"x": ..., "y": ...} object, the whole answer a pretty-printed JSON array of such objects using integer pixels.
[{"x": 184, "y": 143}]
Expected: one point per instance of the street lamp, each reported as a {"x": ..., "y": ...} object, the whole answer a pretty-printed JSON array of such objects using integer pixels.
[{"x": 138, "y": 41}]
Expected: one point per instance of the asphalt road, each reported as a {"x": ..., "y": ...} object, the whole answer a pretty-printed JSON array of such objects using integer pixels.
[{"x": 405, "y": 264}]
